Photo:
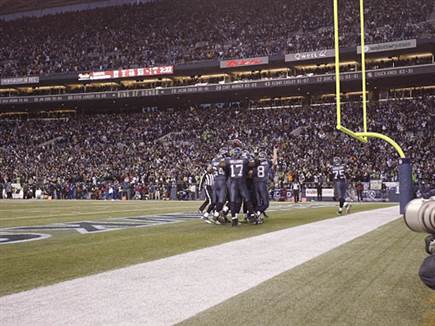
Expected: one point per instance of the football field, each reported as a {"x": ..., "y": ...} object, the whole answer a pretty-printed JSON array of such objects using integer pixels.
[{"x": 366, "y": 278}]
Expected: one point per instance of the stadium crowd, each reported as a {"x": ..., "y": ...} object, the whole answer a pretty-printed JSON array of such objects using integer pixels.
[
  {"x": 147, "y": 155},
  {"x": 169, "y": 32}
]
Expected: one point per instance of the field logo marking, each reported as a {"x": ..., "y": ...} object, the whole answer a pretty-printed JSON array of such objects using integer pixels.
[
  {"x": 7, "y": 238},
  {"x": 22, "y": 233},
  {"x": 25, "y": 233}
]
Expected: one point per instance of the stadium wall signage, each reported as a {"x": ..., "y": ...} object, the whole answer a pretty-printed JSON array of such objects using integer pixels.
[
  {"x": 326, "y": 192},
  {"x": 126, "y": 73},
  {"x": 19, "y": 81},
  {"x": 303, "y": 56},
  {"x": 214, "y": 88},
  {"x": 389, "y": 46},
  {"x": 26, "y": 233},
  {"x": 244, "y": 62}
]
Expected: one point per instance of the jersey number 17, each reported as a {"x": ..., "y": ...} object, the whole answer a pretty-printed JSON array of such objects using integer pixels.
[{"x": 236, "y": 170}]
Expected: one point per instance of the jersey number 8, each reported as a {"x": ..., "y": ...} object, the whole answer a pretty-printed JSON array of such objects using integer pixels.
[{"x": 260, "y": 171}]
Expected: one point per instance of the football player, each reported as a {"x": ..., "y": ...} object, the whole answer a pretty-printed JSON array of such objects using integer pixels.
[
  {"x": 220, "y": 183},
  {"x": 262, "y": 172},
  {"x": 237, "y": 167},
  {"x": 340, "y": 185},
  {"x": 250, "y": 186}
]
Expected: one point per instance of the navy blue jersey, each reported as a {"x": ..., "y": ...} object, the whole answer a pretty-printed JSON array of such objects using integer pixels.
[
  {"x": 262, "y": 170},
  {"x": 237, "y": 168},
  {"x": 338, "y": 172},
  {"x": 218, "y": 170}
]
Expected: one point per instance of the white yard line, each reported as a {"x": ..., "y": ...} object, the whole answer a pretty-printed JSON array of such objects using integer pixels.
[{"x": 170, "y": 290}]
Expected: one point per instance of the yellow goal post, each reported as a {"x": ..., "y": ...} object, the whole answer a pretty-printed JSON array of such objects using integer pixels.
[
  {"x": 361, "y": 136},
  {"x": 405, "y": 170}
]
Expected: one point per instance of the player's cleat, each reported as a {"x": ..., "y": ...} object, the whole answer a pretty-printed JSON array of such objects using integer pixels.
[
  {"x": 222, "y": 219},
  {"x": 265, "y": 215},
  {"x": 205, "y": 218},
  {"x": 348, "y": 207},
  {"x": 215, "y": 218},
  {"x": 258, "y": 219},
  {"x": 252, "y": 218},
  {"x": 235, "y": 222},
  {"x": 225, "y": 211}
]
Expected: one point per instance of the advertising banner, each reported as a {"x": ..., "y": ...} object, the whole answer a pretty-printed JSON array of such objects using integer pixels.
[
  {"x": 126, "y": 73},
  {"x": 389, "y": 46},
  {"x": 374, "y": 195},
  {"x": 244, "y": 62},
  {"x": 311, "y": 192},
  {"x": 328, "y": 192},
  {"x": 375, "y": 184},
  {"x": 303, "y": 56},
  {"x": 19, "y": 81}
]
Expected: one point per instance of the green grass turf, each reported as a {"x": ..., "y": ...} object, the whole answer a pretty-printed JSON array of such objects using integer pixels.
[
  {"x": 68, "y": 254},
  {"x": 370, "y": 281}
]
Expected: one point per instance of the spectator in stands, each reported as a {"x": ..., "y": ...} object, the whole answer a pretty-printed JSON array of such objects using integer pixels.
[
  {"x": 114, "y": 37},
  {"x": 92, "y": 153}
]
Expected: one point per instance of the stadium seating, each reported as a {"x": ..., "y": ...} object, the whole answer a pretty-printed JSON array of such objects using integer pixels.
[
  {"x": 156, "y": 149},
  {"x": 162, "y": 33}
]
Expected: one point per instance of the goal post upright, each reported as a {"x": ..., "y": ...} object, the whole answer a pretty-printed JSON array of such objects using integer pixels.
[
  {"x": 405, "y": 170},
  {"x": 363, "y": 65},
  {"x": 337, "y": 78}
]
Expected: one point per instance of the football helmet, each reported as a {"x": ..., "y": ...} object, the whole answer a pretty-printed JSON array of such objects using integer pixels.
[
  {"x": 262, "y": 156},
  {"x": 223, "y": 152},
  {"x": 236, "y": 152}
]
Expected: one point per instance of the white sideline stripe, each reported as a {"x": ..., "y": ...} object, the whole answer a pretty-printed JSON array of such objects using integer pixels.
[{"x": 172, "y": 289}]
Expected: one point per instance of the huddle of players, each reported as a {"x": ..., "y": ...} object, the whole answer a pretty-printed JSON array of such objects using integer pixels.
[
  {"x": 233, "y": 178},
  {"x": 236, "y": 176}
]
